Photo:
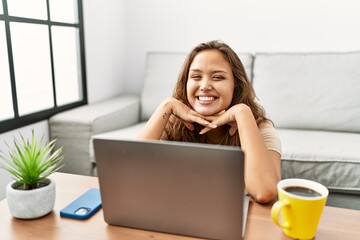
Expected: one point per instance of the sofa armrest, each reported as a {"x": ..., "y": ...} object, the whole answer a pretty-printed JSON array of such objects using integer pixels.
[
  {"x": 74, "y": 128},
  {"x": 123, "y": 111},
  {"x": 111, "y": 114}
]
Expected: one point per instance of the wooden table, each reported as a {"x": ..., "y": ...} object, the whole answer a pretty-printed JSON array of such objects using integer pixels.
[{"x": 336, "y": 223}]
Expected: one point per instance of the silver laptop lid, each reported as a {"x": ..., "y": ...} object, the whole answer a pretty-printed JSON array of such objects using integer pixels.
[{"x": 181, "y": 188}]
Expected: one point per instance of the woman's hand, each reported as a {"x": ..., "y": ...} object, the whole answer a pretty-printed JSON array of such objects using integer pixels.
[
  {"x": 171, "y": 106},
  {"x": 188, "y": 116},
  {"x": 225, "y": 117}
]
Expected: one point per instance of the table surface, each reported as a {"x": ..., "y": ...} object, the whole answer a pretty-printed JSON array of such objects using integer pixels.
[{"x": 335, "y": 223}]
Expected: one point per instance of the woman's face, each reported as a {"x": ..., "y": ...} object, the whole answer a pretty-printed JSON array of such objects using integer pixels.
[{"x": 210, "y": 83}]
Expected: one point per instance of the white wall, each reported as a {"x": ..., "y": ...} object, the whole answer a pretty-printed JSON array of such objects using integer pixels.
[
  {"x": 118, "y": 33},
  {"x": 246, "y": 25},
  {"x": 104, "y": 47}
]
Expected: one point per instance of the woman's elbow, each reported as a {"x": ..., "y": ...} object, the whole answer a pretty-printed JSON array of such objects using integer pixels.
[{"x": 265, "y": 196}]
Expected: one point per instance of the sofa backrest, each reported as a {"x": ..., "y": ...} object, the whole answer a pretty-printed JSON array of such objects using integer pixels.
[
  {"x": 310, "y": 90},
  {"x": 161, "y": 72}
]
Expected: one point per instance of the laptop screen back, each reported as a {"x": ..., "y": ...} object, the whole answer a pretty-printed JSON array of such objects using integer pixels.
[{"x": 181, "y": 188}]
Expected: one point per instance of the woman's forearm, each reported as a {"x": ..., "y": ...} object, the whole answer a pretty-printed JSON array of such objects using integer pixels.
[
  {"x": 262, "y": 167},
  {"x": 157, "y": 122}
]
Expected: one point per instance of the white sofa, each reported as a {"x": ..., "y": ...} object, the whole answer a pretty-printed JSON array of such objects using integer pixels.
[{"x": 313, "y": 99}]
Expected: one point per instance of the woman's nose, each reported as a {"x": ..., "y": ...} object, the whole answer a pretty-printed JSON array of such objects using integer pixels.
[{"x": 205, "y": 85}]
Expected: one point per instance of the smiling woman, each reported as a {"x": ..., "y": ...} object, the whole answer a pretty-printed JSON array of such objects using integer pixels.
[
  {"x": 213, "y": 102},
  {"x": 43, "y": 66}
]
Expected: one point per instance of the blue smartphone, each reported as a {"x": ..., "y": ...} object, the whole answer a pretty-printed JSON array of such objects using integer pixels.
[{"x": 84, "y": 206}]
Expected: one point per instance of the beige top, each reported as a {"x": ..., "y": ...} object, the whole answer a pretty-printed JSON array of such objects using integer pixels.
[{"x": 270, "y": 136}]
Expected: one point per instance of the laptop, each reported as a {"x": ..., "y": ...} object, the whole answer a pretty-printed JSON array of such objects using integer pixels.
[{"x": 189, "y": 189}]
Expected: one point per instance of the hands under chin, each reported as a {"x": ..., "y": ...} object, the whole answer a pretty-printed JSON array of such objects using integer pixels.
[
  {"x": 219, "y": 119},
  {"x": 189, "y": 116}
]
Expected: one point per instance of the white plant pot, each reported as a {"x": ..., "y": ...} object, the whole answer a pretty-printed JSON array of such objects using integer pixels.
[{"x": 29, "y": 204}]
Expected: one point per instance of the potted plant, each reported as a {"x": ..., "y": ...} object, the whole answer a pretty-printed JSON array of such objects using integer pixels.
[{"x": 32, "y": 193}]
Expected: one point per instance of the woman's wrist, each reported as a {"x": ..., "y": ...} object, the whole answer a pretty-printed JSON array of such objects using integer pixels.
[{"x": 167, "y": 106}]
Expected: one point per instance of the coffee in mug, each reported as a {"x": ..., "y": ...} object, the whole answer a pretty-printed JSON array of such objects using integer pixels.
[
  {"x": 300, "y": 205},
  {"x": 302, "y": 191}
]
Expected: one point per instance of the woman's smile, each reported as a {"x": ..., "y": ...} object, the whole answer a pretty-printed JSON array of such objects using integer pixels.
[{"x": 206, "y": 99}]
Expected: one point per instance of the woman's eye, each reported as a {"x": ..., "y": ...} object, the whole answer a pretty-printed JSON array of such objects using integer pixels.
[
  {"x": 196, "y": 77},
  {"x": 218, "y": 78}
]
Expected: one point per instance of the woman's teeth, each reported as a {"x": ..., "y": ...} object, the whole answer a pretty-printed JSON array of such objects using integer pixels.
[{"x": 202, "y": 98}]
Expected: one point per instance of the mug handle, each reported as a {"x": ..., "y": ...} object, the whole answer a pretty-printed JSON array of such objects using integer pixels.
[{"x": 275, "y": 211}]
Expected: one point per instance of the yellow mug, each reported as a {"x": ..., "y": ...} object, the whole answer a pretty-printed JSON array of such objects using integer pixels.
[{"x": 300, "y": 204}]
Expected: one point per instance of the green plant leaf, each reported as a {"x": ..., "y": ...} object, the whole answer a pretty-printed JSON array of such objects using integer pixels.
[{"x": 29, "y": 162}]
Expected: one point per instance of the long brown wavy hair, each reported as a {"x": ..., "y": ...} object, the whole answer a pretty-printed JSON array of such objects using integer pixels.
[{"x": 175, "y": 130}]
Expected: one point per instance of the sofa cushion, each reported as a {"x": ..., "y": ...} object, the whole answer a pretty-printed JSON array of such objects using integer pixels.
[
  {"x": 310, "y": 91},
  {"x": 331, "y": 158},
  {"x": 161, "y": 72}
]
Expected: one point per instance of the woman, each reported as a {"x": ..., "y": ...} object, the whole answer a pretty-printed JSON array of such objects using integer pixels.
[{"x": 213, "y": 102}]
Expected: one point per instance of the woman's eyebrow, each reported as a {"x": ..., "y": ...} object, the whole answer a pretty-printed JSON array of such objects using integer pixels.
[
  {"x": 194, "y": 70},
  {"x": 215, "y": 71},
  {"x": 219, "y": 71}
]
